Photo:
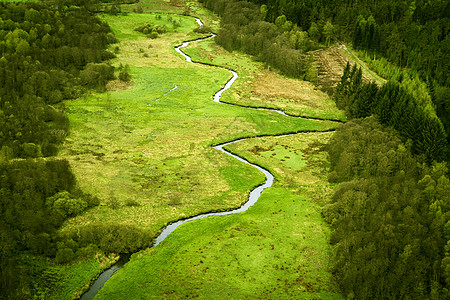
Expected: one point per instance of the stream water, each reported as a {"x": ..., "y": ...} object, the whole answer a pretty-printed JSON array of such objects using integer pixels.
[{"x": 253, "y": 196}]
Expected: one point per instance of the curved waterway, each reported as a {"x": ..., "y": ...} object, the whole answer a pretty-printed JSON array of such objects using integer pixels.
[{"x": 253, "y": 196}]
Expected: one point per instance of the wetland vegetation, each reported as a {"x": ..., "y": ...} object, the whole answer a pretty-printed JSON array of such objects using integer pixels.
[{"x": 106, "y": 137}]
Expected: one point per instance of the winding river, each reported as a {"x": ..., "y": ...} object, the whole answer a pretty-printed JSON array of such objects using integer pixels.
[{"x": 253, "y": 196}]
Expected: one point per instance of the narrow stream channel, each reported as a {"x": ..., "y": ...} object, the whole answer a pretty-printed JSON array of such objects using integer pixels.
[
  {"x": 253, "y": 196},
  {"x": 255, "y": 193}
]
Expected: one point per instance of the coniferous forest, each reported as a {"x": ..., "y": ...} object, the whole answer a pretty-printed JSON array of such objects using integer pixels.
[{"x": 390, "y": 210}]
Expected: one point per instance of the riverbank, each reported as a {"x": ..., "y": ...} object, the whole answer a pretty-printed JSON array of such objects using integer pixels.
[
  {"x": 278, "y": 248},
  {"x": 150, "y": 144}
]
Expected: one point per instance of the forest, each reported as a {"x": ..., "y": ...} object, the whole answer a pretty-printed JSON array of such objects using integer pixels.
[
  {"x": 390, "y": 210},
  {"x": 389, "y": 215},
  {"x": 49, "y": 53}
]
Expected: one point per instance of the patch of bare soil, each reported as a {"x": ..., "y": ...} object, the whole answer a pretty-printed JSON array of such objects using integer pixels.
[{"x": 330, "y": 65}]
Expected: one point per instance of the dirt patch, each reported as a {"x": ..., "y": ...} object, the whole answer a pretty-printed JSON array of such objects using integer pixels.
[{"x": 330, "y": 66}]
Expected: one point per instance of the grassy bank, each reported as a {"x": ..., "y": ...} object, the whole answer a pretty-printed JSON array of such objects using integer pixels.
[
  {"x": 259, "y": 87},
  {"x": 276, "y": 249},
  {"x": 149, "y": 146}
]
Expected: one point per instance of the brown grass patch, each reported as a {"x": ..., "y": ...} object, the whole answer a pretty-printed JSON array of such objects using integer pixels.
[
  {"x": 271, "y": 85},
  {"x": 118, "y": 85},
  {"x": 331, "y": 63},
  {"x": 177, "y": 3}
]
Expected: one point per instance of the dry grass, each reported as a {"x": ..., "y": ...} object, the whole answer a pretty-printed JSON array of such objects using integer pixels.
[
  {"x": 117, "y": 85},
  {"x": 331, "y": 63},
  {"x": 259, "y": 87},
  {"x": 292, "y": 95},
  {"x": 271, "y": 85}
]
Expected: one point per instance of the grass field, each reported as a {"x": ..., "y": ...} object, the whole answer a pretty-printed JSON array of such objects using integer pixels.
[
  {"x": 276, "y": 250},
  {"x": 151, "y": 144},
  {"x": 259, "y": 87},
  {"x": 148, "y": 147}
]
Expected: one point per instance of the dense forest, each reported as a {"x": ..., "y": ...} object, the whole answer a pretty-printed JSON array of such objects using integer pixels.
[
  {"x": 396, "y": 107},
  {"x": 48, "y": 53},
  {"x": 389, "y": 215}
]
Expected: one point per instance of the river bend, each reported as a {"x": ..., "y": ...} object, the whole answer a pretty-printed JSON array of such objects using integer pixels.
[{"x": 253, "y": 196}]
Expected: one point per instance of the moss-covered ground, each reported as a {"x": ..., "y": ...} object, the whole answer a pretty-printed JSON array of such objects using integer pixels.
[{"x": 145, "y": 150}]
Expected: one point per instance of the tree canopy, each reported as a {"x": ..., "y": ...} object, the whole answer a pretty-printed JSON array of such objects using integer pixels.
[{"x": 48, "y": 52}]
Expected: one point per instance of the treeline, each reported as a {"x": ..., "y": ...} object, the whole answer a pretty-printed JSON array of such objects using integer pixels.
[
  {"x": 412, "y": 34},
  {"x": 281, "y": 45},
  {"x": 409, "y": 33},
  {"x": 36, "y": 198},
  {"x": 48, "y": 52},
  {"x": 47, "y": 55},
  {"x": 394, "y": 106},
  {"x": 389, "y": 216}
]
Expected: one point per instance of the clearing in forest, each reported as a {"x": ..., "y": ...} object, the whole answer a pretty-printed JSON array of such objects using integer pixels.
[{"x": 330, "y": 63}]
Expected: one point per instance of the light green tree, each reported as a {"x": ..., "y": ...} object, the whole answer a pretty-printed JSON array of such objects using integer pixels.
[{"x": 328, "y": 32}]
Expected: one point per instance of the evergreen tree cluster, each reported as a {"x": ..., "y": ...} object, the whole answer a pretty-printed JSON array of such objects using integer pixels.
[
  {"x": 390, "y": 216},
  {"x": 394, "y": 106},
  {"x": 412, "y": 33},
  {"x": 281, "y": 45}
]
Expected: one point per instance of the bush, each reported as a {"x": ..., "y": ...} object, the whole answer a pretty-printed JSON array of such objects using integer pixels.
[
  {"x": 66, "y": 205},
  {"x": 153, "y": 35},
  {"x": 124, "y": 74},
  {"x": 97, "y": 75},
  {"x": 64, "y": 255},
  {"x": 113, "y": 238},
  {"x": 31, "y": 150},
  {"x": 132, "y": 202}
]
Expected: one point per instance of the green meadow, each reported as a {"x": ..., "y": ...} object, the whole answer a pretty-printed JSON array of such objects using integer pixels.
[
  {"x": 145, "y": 150},
  {"x": 278, "y": 249}
]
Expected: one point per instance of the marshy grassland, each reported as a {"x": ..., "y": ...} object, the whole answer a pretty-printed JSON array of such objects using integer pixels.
[
  {"x": 145, "y": 150},
  {"x": 278, "y": 249},
  {"x": 260, "y": 87}
]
